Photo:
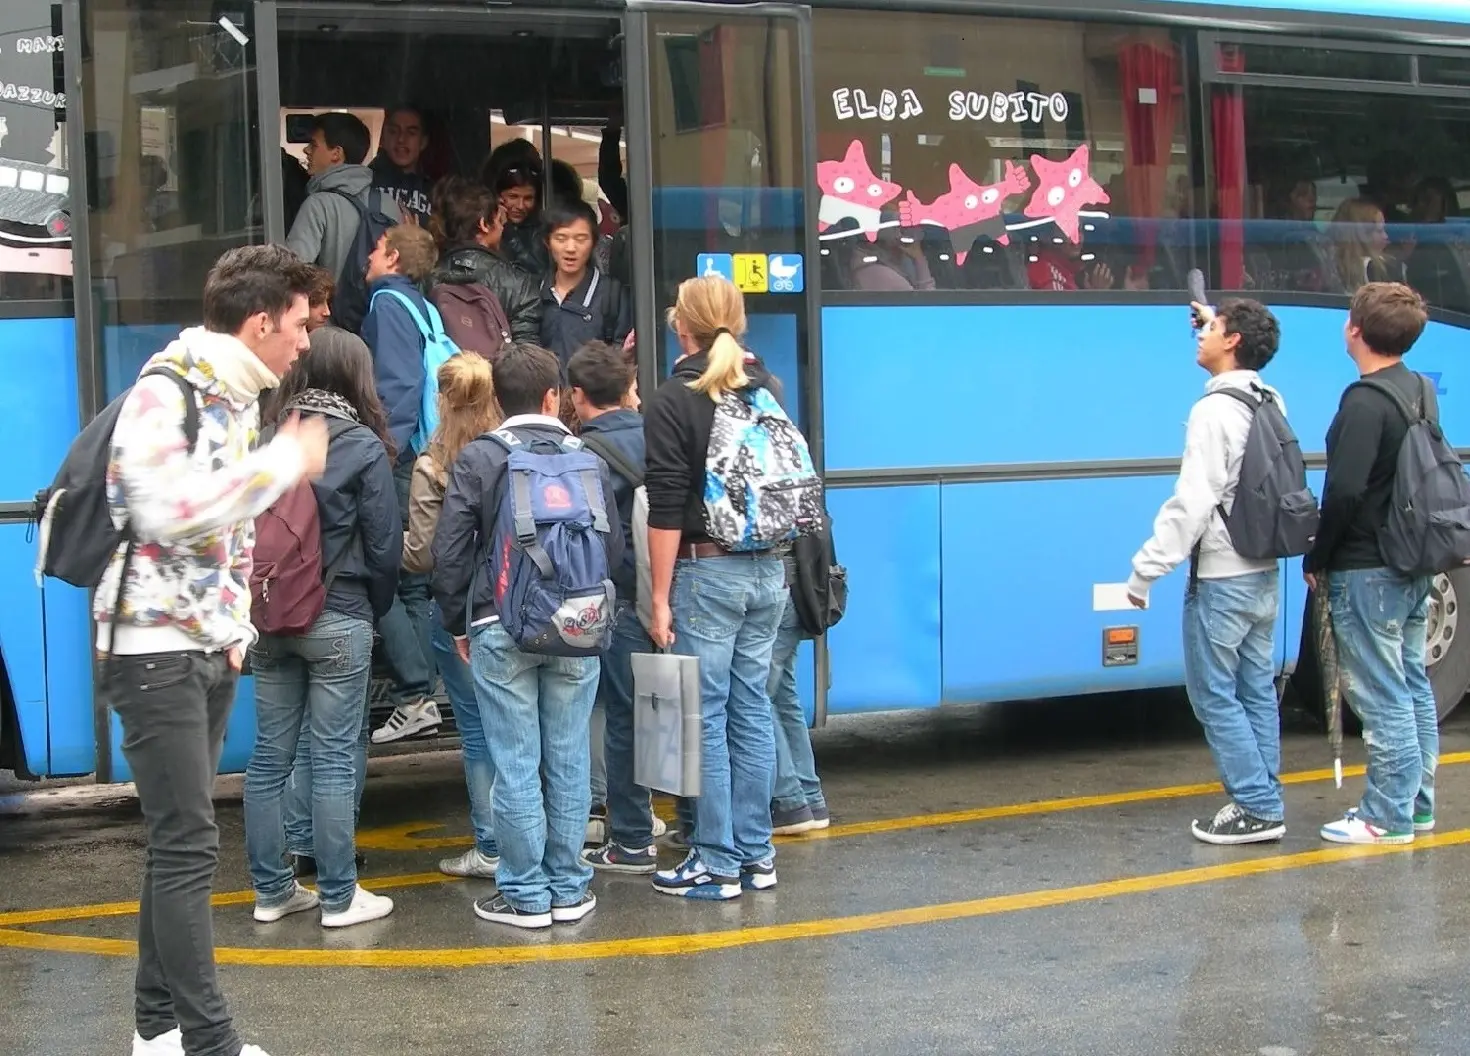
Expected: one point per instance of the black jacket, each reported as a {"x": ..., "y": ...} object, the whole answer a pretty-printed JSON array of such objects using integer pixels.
[
  {"x": 358, "y": 510},
  {"x": 518, "y": 291},
  {"x": 524, "y": 245},
  {"x": 623, "y": 431},
  {"x": 467, "y": 522},
  {"x": 1362, "y": 460},
  {"x": 599, "y": 309},
  {"x": 676, "y": 427}
]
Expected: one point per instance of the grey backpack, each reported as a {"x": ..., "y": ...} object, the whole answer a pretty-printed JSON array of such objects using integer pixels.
[
  {"x": 1274, "y": 513},
  {"x": 1428, "y": 528}
]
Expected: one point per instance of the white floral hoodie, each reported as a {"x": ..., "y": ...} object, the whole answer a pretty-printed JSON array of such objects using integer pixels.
[{"x": 193, "y": 514}]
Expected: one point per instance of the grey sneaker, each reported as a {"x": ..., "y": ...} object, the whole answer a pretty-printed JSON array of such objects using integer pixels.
[{"x": 472, "y": 865}]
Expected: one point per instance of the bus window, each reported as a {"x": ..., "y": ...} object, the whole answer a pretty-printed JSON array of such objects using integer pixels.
[{"x": 1032, "y": 153}]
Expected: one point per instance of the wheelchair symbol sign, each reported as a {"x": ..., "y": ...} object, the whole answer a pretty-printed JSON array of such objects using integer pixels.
[{"x": 721, "y": 264}]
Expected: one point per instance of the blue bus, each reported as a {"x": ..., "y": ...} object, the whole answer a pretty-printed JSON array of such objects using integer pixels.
[{"x": 965, "y": 231}]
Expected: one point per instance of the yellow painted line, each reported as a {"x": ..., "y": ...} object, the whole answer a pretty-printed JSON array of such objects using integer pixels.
[
  {"x": 703, "y": 942},
  {"x": 406, "y": 837}
]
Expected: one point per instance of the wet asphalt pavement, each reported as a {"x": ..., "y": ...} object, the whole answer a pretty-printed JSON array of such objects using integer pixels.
[{"x": 1011, "y": 880}]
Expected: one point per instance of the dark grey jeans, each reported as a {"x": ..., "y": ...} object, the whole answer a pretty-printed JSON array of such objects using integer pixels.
[{"x": 173, "y": 708}]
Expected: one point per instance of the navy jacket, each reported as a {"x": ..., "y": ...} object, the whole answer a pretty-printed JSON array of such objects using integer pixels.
[
  {"x": 623, "y": 430},
  {"x": 597, "y": 310},
  {"x": 398, "y": 357},
  {"x": 467, "y": 522}
]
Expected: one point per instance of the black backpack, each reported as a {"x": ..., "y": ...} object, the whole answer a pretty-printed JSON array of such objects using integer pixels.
[
  {"x": 77, "y": 536},
  {"x": 1428, "y": 527},
  {"x": 819, "y": 591},
  {"x": 1274, "y": 513},
  {"x": 350, "y": 300}
]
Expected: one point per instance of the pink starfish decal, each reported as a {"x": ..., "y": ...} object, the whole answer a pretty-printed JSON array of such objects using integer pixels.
[
  {"x": 967, "y": 210},
  {"x": 1062, "y": 189},
  {"x": 850, "y": 191}
]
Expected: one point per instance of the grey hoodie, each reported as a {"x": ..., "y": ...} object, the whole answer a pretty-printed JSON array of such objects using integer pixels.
[{"x": 325, "y": 227}]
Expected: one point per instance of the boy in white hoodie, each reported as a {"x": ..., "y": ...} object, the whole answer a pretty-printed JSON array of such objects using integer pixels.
[
  {"x": 1230, "y": 606},
  {"x": 184, "y": 622}
]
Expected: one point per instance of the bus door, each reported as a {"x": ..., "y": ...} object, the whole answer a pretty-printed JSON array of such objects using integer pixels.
[{"x": 721, "y": 182}]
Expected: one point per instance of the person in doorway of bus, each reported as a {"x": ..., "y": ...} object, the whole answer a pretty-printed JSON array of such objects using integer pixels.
[
  {"x": 536, "y": 707},
  {"x": 467, "y": 409},
  {"x": 398, "y": 169},
  {"x": 327, "y": 223},
  {"x": 722, "y": 607},
  {"x": 322, "y": 288},
  {"x": 1230, "y": 607},
  {"x": 579, "y": 302},
  {"x": 1380, "y": 619},
  {"x": 604, "y": 396},
  {"x": 403, "y": 259},
  {"x": 317, "y": 682},
  {"x": 182, "y": 629},
  {"x": 469, "y": 223},
  {"x": 517, "y": 188}
]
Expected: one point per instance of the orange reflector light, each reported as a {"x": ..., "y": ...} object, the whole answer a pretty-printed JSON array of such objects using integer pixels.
[{"x": 1122, "y": 635}]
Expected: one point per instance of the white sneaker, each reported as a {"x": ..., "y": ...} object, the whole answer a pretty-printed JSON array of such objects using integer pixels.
[
  {"x": 408, "y": 720},
  {"x": 169, "y": 1044},
  {"x": 253, "y": 1050},
  {"x": 1353, "y": 829},
  {"x": 365, "y": 906},
  {"x": 472, "y": 864},
  {"x": 659, "y": 827},
  {"x": 596, "y": 834},
  {"x": 301, "y": 900}
]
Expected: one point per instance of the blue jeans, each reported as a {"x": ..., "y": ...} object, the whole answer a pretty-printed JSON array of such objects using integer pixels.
[
  {"x": 406, "y": 628},
  {"x": 535, "y": 710},
  {"x": 317, "y": 681},
  {"x": 726, "y": 612},
  {"x": 629, "y": 813},
  {"x": 479, "y": 771},
  {"x": 1230, "y": 671},
  {"x": 1381, "y": 621},
  {"x": 796, "y": 769}
]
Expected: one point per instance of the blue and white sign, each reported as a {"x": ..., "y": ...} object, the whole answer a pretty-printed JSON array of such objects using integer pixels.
[
  {"x": 786, "y": 272},
  {"x": 721, "y": 264}
]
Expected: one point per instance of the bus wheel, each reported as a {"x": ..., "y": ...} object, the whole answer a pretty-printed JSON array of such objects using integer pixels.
[{"x": 1447, "y": 652}]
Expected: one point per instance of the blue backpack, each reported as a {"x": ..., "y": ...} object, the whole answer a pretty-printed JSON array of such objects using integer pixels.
[
  {"x": 548, "y": 551},
  {"x": 438, "y": 350}
]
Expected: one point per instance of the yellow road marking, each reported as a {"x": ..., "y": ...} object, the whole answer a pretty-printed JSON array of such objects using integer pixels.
[
  {"x": 702, "y": 942},
  {"x": 405, "y": 837}
]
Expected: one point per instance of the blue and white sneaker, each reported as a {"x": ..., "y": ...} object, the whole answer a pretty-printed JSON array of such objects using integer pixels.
[
  {"x": 1353, "y": 829},
  {"x": 758, "y": 876},
  {"x": 691, "y": 879}
]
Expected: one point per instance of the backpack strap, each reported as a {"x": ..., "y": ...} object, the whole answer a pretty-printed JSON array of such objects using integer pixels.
[
  {"x": 1411, "y": 414},
  {"x": 619, "y": 462},
  {"x": 1255, "y": 405},
  {"x": 427, "y": 327}
]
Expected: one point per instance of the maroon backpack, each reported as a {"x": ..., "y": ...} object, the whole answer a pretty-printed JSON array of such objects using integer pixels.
[
  {"x": 287, "y": 592},
  {"x": 473, "y": 317}
]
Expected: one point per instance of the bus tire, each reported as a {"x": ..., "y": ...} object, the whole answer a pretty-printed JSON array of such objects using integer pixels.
[{"x": 1447, "y": 652}]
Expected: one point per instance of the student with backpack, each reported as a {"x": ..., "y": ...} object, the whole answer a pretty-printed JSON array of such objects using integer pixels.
[
  {"x": 486, "y": 301},
  {"x": 603, "y": 383},
  {"x": 1395, "y": 513},
  {"x": 409, "y": 345},
  {"x": 526, "y": 543},
  {"x": 326, "y": 567},
  {"x": 467, "y": 409},
  {"x": 1240, "y": 503},
  {"x": 183, "y": 482},
  {"x": 716, "y": 533},
  {"x": 343, "y": 216}
]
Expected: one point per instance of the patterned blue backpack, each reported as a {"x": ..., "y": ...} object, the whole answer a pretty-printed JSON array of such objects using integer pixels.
[
  {"x": 548, "y": 551},
  {"x": 760, "y": 487}
]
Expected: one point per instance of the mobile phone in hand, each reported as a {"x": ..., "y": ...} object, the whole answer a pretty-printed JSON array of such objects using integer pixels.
[{"x": 1197, "y": 294}]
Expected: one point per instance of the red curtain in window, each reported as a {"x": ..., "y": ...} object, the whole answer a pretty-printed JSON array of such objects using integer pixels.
[
  {"x": 1227, "y": 112},
  {"x": 1150, "y": 75}
]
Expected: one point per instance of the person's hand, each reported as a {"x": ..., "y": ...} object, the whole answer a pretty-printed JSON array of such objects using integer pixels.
[
  {"x": 1311, "y": 578},
  {"x": 1098, "y": 278},
  {"x": 462, "y": 647},
  {"x": 1204, "y": 315},
  {"x": 310, "y": 434},
  {"x": 1136, "y": 601},
  {"x": 662, "y": 631},
  {"x": 1135, "y": 278},
  {"x": 236, "y": 658}
]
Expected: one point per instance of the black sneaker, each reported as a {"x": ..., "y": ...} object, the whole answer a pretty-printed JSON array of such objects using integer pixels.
[
  {"x": 616, "y": 858},
  {"x": 792, "y": 822},
  {"x": 576, "y": 911},
  {"x": 305, "y": 864},
  {"x": 1232, "y": 825},
  {"x": 498, "y": 910}
]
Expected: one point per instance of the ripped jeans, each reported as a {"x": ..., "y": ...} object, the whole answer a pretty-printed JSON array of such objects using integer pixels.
[{"x": 1381, "y": 622}]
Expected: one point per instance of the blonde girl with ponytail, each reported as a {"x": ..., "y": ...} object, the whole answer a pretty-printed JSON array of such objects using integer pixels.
[
  {"x": 722, "y": 607},
  {"x": 467, "y": 408}
]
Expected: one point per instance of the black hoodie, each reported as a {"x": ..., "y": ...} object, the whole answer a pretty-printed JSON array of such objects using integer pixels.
[
  {"x": 409, "y": 189},
  {"x": 676, "y": 425}
]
